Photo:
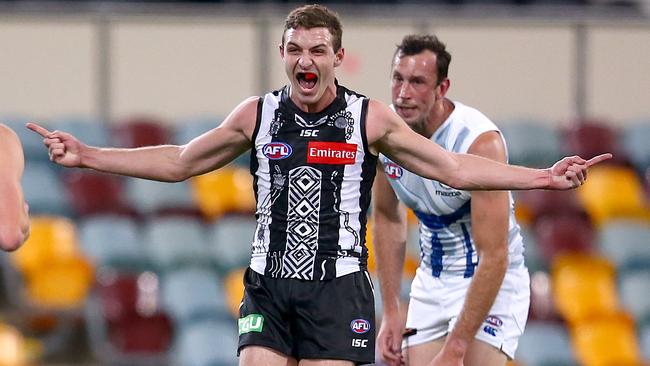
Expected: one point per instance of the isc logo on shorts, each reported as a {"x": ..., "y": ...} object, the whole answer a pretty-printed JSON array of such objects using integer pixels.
[
  {"x": 393, "y": 171},
  {"x": 319, "y": 152},
  {"x": 277, "y": 150},
  {"x": 360, "y": 326}
]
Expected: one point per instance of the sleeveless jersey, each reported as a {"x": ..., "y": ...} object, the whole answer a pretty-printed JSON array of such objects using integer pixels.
[
  {"x": 444, "y": 213},
  {"x": 312, "y": 176}
]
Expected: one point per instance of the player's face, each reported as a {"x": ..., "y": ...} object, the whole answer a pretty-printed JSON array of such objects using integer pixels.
[
  {"x": 309, "y": 61},
  {"x": 414, "y": 87}
]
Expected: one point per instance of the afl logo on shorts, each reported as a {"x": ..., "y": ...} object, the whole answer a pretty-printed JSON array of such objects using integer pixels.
[
  {"x": 277, "y": 150},
  {"x": 360, "y": 326},
  {"x": 393, "y": 171}
]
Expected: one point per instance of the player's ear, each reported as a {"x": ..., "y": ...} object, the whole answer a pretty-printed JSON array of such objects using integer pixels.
[
  {"x": 443, "y": 88},
  {"x": 281, "y": 49},
  {"x": 338, "y": 57}
]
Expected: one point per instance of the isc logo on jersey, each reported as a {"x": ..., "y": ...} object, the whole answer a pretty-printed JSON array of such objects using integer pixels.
[
  {"x": 360, "y": 326},
  {"x": 277, "y": 150},
  {"x": 393, "y": 171}
]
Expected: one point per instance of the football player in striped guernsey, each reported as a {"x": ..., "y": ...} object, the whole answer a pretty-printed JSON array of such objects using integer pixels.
[{"x": 314, "y": 145}]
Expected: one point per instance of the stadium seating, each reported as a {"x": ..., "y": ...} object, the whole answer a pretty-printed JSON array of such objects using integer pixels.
[
  {"x": 208, "y": 343},
  {"x": 541, "y": 337},
  {"x": 149, "y": 197},
  {"x": 227, "y": 190},
  {"x": 613, "y": 192},
  {"x": 626, "y": 243},
  {"x": 169, "y": 242},
  {"x": 584, "y": 287},
  {"x": 539, "y": 203},
  {"x": 124, "y": 322},
  {"x": 531, "y": 143},
  {"x": 634, "y": 140},
  {"x": 192, "y": 295},
  {"x": 563, "y": 233},
  {"x": 90, "y": 132},
  {"x": 33, "y": 147},
  {"x": 234, "y": 287},
  {"x": 634, "y": 289},
  {"x": 44, "y": 191},
  {"x": 588, "y": 138},
  {"x": 186, "y": 130},
  {"x": 230, "y": 241},
  {"x": 91, "y": 193},
  {"x": 605, "y": 341},
  {"x": 113, "y": 241},
  {"x": 141, "y": 131}
]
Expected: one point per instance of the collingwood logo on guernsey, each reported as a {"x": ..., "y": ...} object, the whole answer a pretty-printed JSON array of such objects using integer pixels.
[{"x": 331, "y": 153}]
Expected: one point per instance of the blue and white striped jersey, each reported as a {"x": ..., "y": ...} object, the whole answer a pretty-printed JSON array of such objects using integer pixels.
[{"x": 446, "y": 243}]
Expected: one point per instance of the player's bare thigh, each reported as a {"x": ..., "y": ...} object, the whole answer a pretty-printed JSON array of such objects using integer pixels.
[
  {"x": 481, "y": 353},
  {"x": 478, "y": 354},
  {"x": 423, "y": 353},
  {"x": 264, "y": 356}
]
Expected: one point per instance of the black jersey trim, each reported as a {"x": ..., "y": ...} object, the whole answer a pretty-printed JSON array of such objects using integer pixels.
[{"x": 362, "y": 124}]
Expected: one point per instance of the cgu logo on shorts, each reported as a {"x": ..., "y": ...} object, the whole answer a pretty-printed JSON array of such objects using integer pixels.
[
  {"x": 360, "y": 326},
  {"x": 277, "y": 150},
  {"x": 331, "y": 153},
  {"x": 393, "y": 171},
  {"x": 251, "y": 323}
]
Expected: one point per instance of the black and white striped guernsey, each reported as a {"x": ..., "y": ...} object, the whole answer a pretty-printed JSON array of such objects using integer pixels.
[{"x": 313, "y": 174}]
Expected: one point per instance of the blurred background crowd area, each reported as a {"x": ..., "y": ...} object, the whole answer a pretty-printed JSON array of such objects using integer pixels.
[{"x": 123, "y": 271}]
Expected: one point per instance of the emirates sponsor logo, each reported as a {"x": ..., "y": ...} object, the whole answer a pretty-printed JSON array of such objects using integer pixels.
[{"x": 331, "y": 153}]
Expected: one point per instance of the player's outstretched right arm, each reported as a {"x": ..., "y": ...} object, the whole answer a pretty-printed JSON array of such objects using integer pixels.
[{"x": 168, "y": 163}]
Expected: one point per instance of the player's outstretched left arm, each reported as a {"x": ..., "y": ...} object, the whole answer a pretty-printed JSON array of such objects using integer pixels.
[{"x": 387, "y": 133}]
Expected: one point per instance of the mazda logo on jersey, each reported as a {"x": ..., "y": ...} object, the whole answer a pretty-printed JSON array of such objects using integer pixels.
[
  {"x": 360, "y": 326},
  {"x": 277, "y": 150},
  {"x": 393, "y": 171},
  {"x": 319, "y": 152}
]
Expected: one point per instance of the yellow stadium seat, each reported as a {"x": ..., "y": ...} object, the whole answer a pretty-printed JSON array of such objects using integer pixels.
[
  {"x": 51, "y": 238},
  {"x": 583, "y": 286},
  {"x": 606, "y": 341},
  {"x": 234, "y": 286},
  {"x": 61, "y": 285},
  {"x": 612, "y": 192},
  {"x": 55, "y": 273},
  {"x": 229, "y": 189}
]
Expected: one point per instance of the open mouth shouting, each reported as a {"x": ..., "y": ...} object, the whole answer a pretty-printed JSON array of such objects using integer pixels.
[{"x": 307, "y": 80}]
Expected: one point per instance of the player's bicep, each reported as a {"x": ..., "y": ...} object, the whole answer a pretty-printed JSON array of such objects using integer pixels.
[
  {"x": 221, "y": 145},
  {"x": 490, "y": 209}
]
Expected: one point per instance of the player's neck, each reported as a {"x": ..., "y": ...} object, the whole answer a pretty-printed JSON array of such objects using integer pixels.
[
  {"x": 439, "y": 114},
  {"x": 319, "y": 105}
]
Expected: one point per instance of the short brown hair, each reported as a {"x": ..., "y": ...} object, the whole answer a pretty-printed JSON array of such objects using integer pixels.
[
  {"x": 414, "y": 44},
  {"x": 314, "y": 16}
]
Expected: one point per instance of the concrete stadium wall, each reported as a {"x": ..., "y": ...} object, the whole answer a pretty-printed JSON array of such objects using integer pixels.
[{"x": 184, "y": 66}]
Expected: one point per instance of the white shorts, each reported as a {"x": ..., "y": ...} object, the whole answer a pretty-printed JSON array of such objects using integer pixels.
[{"x": 436, "y": 303}]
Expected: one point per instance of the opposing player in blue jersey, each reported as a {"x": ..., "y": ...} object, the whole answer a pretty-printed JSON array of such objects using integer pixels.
[
  {"x": 314, "y": 147},
  {"x": 14, "y": 218},
  {"x": 462, "y": 310}
]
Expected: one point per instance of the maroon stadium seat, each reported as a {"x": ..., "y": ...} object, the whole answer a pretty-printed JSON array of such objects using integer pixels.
[
  {"x": 95, "y": 193},
  {"x": 141, "y": 131},
  {"x": 564, "y": 232}
]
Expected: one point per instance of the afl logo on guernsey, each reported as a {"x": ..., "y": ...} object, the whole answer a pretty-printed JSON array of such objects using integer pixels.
[
  {"x": 360, "y": 326},
  {"x": 393, "y": 171},
  {"x": 277, "y": 150}
]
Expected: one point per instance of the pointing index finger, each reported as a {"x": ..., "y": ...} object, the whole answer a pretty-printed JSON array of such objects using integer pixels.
[
  {"x": 597, "y": 159},
  {"x": 38, "y": 129}
]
